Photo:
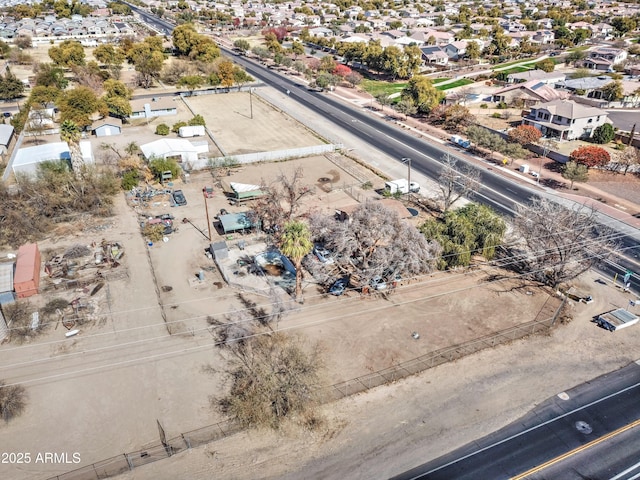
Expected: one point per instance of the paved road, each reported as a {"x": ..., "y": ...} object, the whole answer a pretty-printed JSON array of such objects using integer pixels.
[
  {"x": 559, "y": 426},
  {"x": 497, "y": 191}
]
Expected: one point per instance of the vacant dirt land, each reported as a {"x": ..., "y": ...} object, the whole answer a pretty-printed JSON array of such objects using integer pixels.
[{"x": 106, "y": 387}]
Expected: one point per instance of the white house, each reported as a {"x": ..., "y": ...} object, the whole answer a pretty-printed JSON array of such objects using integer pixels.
[
  {"x": 565, "y": 119},
  {"x": 156, "y": 107},
  {"x": 183, "y": 150}
]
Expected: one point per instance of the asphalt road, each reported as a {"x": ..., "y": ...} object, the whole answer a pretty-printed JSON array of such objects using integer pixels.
[{"x": 560, "y": 433}]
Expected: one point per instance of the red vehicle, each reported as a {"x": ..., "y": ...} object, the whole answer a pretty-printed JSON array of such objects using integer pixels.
[{"x": 208, "y": 192}]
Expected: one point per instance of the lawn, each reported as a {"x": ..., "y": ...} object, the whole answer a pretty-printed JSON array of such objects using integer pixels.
[
  {"x": 518, "y": 69},
  {"x": 516, "y": 62},
  {"x": 457, "y": 83},
  {"x": 375, "y": 87},
  {"x": 435, "y": 81}
]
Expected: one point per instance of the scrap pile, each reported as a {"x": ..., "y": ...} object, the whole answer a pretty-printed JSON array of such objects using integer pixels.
[{"x": 79, "y": 266}]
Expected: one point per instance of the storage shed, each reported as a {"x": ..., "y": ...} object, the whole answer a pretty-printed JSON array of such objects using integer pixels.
[
  {"x": 107, "y": 127},
  {"x": 27, "y": 276},
  {"x": 6, "y": 282}
]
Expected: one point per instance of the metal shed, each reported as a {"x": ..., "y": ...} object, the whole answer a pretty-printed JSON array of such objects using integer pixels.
[{"x": 233, "y": 222}]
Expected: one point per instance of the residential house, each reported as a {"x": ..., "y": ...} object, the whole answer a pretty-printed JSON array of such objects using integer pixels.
[
  {"x": 107, "y": 127},
  {"x": 543, "y": 37},
  {"x": 528, "y": 93},
  {"x": 157, "y": 107},
  {"x": 184, "y": 150},
  {"x": 604, "y": 58},
  {"x": 565, "y": 119},
  {"x": 434, "y": 55},
  {"x": 456, "y": 50}
]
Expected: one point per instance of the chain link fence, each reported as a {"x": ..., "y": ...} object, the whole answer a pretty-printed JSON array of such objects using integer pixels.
[{"x": 202, "y": 436}]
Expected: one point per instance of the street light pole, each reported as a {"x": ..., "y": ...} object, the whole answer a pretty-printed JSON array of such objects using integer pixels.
[
  {"x": 251, "y": 101},
  {"x": 407, "y": 160}
]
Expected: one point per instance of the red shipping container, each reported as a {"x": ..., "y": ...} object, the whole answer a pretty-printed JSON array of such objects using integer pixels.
[{"x": 26, "y": 280}]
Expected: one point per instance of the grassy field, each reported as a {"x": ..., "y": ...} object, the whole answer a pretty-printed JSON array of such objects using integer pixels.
[
  {"x": 457, "y": 83},
  {"x": 518, "y": 69},
  {"x": 517, "y": 62},
  {"x": 375, "y": 88},
  {"x": 436, "y": 81}
]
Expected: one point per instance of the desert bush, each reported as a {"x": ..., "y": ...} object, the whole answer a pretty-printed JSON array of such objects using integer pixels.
[
  {"x": 175, "y": 128},
  {"x": 130, "y": 179},
  {"x": 153, "y": 232},
  {"x": 162, "y": 129},
  {"x": 13, "y": 400},
  {"x": 160, "y": 165}
]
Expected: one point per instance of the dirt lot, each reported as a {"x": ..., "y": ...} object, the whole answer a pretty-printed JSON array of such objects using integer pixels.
[{"x": 71, "y": 382}]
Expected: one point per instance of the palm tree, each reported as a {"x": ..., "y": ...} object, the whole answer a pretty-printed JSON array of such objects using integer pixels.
[
  {"x": 70, "y": 133},
  {"x": 295, "y": 243}
]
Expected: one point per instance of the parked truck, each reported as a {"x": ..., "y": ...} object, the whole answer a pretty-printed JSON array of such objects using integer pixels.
[
  {"x": 459, "y": 141},
  {"x": 191, "y": 131},
  {"x": 401, "y": 186}
]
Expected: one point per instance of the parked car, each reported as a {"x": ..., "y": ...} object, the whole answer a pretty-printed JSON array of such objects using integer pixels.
[
  {"x": 179, "y": 198},
  {"x": 378, "y": 283},
  {"x": 339, "y": 286},
  {"x": 323, "y": 254}
]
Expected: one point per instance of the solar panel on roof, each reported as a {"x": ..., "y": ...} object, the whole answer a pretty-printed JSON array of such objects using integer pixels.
[{"x": 537, "y": 85}]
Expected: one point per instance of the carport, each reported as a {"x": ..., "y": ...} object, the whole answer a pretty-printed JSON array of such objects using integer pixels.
[{"x": 233, "y": 222}]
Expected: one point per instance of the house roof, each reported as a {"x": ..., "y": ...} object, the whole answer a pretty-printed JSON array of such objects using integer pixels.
[
  {"x": 536, "y": 89},
  {"x": 5, "y": 134},
  {"x": 165, "y": 146},
  {"x": 41, "y": 153},
  {"x": 569, "y": 109},
  {"x": 114, "y": 122},
  {"x": 6, "y": 277},
  {"x": 160, "y": 103}
]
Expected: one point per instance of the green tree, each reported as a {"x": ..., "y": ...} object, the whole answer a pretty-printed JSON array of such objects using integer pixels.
[
  {"x": 192, "y": 82},
  {"x": 574, "y": 57},
  {"x": 110, "y": 57},
  {"x": 604, "y": 134},
  {"x": 48, "y": 75},
  {"x": 43, "y": 96},
  {"x": 79, "y": 105},
  {"x": 613, "y": 91},
  {"x": 546, "y": 65},
  {"x": 422, "y": 93},
  {"x": 295, "y": 243},
  {"x": 405, "y": 107},
  {"x": 473, "y": 50},
  {"x": 148, "y": 58},
  {"x": 10, "y": 86},
  {"x": 623, "y": 24},
  {"x": 297, "y": 48},
  {"x": 189, "y": 43},
  {"x": 67, "y": 54},
  {"x": 160, "y": 165},
  {"x": 242, "y": 45},
  {"x": 575, "y": 172}
]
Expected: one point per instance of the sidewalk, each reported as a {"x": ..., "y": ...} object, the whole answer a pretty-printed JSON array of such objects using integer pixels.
[{"x": 616, "y": 207}]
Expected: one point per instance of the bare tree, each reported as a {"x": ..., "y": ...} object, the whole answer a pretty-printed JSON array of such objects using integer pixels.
[
  {"x": 561, "y": 243},
  {"x": 455, "y": 182},
  {"x": 283, "y": 200},
  {"x": 40, "y": 120},
  {"x": 627, "y": 158},
  {"x": 375, "y": 240}
]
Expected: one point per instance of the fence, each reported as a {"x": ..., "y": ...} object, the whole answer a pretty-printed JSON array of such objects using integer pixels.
[
  {"x": 271, "y": 156},
  {"x": 128, "y": 461}
]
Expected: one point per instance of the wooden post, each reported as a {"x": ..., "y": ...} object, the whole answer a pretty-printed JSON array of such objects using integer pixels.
[{"x": 206, "y": 208}]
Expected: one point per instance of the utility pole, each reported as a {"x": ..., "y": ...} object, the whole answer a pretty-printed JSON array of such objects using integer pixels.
[
  {"x": 206, "y": 209},
  {"x": 251, "y": 101}
]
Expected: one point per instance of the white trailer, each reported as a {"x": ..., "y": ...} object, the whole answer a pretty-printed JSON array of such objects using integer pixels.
[
  {"x": 401, "y": 186},
  {"x": 191, "y": 131}
]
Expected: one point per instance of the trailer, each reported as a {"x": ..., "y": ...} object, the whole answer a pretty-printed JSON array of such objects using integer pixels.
[
  {"x": 401, "y": 186},
  {"x": 616, "y": 319},
  {"x": 191, "y": 131},
  {"x": 459, "y": 141}
]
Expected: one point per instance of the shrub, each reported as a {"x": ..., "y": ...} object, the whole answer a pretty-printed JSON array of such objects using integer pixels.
[
  {"x": 130, "y": 179},
  {"x": 484, "y": 105},
  {"x": 160, "y": 165},
  {"x": 162, "y": 129},
  {"x": 153, "y": 232},
  {"x": 12, "y": 400},
  {"x": 197, "y": 120},
  {"x": 604, "y": 134},
  {"x": 590, "y": 156},
  {"x": 502, "y": 105},
  {"x": 176, "y": 126},
  {"x": 496, "y": 115}
]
